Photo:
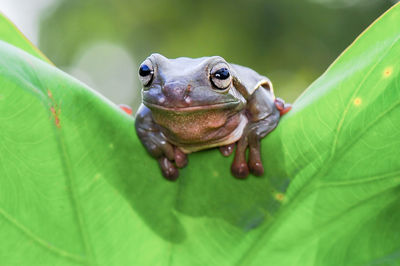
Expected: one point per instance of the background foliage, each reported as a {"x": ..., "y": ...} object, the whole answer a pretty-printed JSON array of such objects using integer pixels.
[
  {"x": 77, "y": 187},
  {"x": 291, "y": 42}
]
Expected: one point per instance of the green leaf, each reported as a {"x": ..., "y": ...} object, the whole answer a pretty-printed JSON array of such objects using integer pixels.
[
  {"x": 77, "y": 187},
  {"x": 9, "y": 33},
  {"x": 341, "y": 146}
]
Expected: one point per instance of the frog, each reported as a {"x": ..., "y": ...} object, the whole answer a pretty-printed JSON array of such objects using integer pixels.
[{"x": 192, "y": 104}]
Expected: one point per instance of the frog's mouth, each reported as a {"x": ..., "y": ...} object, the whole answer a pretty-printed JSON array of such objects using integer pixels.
[
  {"x": 199, "y": 108},
  {"x": 197, "y": 124}
]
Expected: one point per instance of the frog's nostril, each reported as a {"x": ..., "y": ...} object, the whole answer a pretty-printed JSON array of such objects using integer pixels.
[{"x": 175, "y": 90}]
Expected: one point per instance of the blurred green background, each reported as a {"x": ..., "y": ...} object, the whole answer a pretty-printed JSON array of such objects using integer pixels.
[{"x": 102, "y": 42}]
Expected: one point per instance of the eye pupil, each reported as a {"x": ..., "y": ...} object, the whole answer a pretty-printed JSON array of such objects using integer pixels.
[
  {"x": 144, "y": 70},
  {"x": 222, "y": 73}
]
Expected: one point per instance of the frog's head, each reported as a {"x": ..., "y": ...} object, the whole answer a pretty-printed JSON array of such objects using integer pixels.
[{"x": 186, "y": 84}]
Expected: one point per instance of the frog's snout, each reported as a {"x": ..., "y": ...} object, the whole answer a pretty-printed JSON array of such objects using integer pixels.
[{"x": 177, "y": 93}]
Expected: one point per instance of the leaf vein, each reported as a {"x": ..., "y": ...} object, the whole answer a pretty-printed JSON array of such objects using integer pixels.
[
  {"x": 346, "y": 110},
  {"x": 28, "y": 233}
]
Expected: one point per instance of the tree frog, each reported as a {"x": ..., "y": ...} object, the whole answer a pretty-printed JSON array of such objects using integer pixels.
[{"x": 194, "y": 104}]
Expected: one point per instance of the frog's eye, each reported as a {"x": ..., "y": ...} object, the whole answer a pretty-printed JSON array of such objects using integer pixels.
[
  {"x": 146, "y": 72},
  {"x": 220, "y": 76}
]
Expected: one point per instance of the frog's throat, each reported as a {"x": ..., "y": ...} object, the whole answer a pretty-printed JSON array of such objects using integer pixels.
[{"x": 231, "y": 138}]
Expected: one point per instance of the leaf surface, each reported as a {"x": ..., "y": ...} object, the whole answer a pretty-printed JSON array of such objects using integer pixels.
[{"x": 77, "y": 187}]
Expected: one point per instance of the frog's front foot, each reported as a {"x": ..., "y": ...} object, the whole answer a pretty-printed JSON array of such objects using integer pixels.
[
  {"x": 169, "y": 157},
  {"x": 169, "y": 165},
  {"x": 240, "y": 167},
  {"x": 227, "y": 149},
  {"x": 251, "y": 138}
]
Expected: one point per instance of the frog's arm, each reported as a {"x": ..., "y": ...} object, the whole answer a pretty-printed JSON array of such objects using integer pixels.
[
  {"x": 263, "y": 112},
  {"x": 157, "y": 145}
]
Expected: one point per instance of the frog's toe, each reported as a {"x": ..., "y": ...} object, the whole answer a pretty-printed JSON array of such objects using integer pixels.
[
  {"x": 239, "y": 166},
  {"x": 240, "y": 170},
  {"x": 168, "y": 169},
  {"x": 256, "y": 168},
  {"x": 255, "y": 163},
  {"x": 282, "y": 107},
  {"x": 227, "y": 149},
  {"x": 158, "y": 146},
  {"x": 153, "y": 149},
  {"x": 287, "y": 108},
  {"x": 167, "y": 149},
  {"x": 180, "y": 158}
]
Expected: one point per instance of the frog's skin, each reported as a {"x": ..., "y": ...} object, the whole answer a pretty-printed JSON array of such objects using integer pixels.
[{"x": 195, "y": 104}]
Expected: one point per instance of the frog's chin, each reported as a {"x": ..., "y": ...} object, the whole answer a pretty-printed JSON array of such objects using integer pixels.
[{"x": 175, "y": 109}]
